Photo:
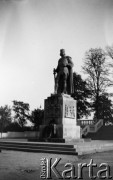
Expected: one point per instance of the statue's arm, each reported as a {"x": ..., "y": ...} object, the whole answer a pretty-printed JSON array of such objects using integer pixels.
[{"x": 70, "y": 62}]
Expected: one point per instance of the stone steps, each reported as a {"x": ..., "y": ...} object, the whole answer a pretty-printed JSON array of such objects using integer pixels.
[{"x": 39, "y": 147}]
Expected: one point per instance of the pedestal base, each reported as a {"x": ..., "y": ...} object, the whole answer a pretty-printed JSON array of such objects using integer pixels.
[
  {"x": 60, "y": 121},
  {"x": 71, "y": 132}
]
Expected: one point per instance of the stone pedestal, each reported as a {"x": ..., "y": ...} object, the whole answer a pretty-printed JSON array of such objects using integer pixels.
[{"x": 60, "y": 118}]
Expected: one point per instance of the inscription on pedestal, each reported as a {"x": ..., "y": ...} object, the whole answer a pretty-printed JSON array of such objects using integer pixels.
[{"x": 69, "y": 111}]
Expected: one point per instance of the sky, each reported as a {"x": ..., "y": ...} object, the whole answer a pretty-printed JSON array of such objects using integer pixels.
[{"x": 32, "y": 32}]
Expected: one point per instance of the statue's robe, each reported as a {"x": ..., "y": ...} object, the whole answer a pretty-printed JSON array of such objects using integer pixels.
[{"x": 69, "y": 79}]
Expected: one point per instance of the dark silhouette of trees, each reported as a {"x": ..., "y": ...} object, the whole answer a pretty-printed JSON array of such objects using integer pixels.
[
  {"x": 81, "y": 94},
  {"x": 21, "y": 110},
  {"x": 105, "y": 109},
  {"x": 37, "y": 116},
  {"x": 5, "y": 117}
]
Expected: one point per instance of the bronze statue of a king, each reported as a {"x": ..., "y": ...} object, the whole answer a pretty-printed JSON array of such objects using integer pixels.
[{"x": 64, "y": 74}]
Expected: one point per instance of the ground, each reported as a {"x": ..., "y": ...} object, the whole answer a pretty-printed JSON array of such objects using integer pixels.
[{"x": 15, "y": 165}]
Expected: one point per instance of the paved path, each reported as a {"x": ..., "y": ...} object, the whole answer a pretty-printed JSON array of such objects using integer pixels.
[
  {"x": 26, "y": 166},
  {"x": 15, "y": 165}
]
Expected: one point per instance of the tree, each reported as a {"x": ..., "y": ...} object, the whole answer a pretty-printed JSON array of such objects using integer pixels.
[
  {"x": 21, "y": 110},
  {"x": 109, "y": 50},
  {"x": 37, "y": 116},
  {"x": 109, "y": 53},
  {"x": 5, "y": 117},
  {"x": 105, "y": 109},
  {"x": 97, "y": 75},
  {"x": 81, "y": 94}
]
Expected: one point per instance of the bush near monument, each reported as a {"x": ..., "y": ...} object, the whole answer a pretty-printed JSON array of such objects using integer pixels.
[
  {"x": 37, "y": 116},
  {"x": 15, "y": 127},
  {"x": 105, "y": 109}
]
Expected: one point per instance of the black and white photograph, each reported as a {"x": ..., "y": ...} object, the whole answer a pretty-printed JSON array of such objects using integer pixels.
[{"x": 56, "y": 89}]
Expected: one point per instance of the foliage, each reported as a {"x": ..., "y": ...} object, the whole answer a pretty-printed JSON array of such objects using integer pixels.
[
  {"x": 37, "y": 117},
  {"x": 81, "y": 94},
  {"x": 97, "y": 74},
  {"x": 109, "y": 53},
  {"x": 21, "y": 110},
  {"x": 5, "y": 117},
  {"x": 109, "y": 50},
  {"x": 15, "y": 127},
  {"x": 105, "y": 109}
]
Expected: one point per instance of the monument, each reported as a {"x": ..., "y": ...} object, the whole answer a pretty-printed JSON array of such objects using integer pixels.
[{"x": 60, "y": 109}]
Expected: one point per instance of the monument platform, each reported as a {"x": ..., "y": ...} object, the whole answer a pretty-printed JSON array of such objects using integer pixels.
[
  {"x": 60, "y": 119},
  {"x": 52, "y": 140},
  {"x": 69, "y": 148}
]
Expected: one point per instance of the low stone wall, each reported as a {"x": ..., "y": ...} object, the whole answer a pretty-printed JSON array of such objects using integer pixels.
[
  {"x": 25, "y": 134},
  {"x": 4, "y": 135}
]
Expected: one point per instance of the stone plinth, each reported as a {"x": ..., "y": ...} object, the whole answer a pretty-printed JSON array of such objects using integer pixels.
[{"x": 60, "y": 118}]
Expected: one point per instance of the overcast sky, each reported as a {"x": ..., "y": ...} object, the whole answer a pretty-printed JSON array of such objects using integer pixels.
[{"x": 31, "y": 34}]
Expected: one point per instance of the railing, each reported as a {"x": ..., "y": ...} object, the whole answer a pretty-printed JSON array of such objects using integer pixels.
[
  {"x": 93, "y": 128},
  {"x": 85, "y": 130},
  {"x": 85, "y": 122},
  {"x": 99, "y": 124}
]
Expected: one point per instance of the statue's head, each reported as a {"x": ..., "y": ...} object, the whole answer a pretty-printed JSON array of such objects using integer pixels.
[{"x": 62, "y": 52}]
